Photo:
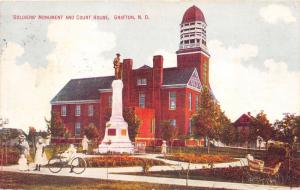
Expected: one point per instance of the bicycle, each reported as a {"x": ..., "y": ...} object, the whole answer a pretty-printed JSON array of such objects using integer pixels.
[{"x": 57, "y": 162}]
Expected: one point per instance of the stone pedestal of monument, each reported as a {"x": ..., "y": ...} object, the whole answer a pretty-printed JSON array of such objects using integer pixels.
[{"x": 116, "y": 137}]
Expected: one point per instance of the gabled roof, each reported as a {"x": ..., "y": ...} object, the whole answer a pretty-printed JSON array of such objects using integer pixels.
[
  {"x": 175, "y": 75},
  {"x": 144, "y": 67},
  {"x": 83, "y": 89},
  {"x": 244, "y": 119},
  {"x": 88, "y": 88}
]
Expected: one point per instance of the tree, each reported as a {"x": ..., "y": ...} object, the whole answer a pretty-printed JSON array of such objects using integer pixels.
[
  {"x": 91, "y": 132},
  {"x": 206, "y": 122},
  {"x": 55, "y": 125},
  {"x": 262, "y": 127},
  {"x": 228, "y": 134},
  {"x": 288, "y": 129},
  {"x": 133, "y": 121},
  {"x": 169, "y": 132}
]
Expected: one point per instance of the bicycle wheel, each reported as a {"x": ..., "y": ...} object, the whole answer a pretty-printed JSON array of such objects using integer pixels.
[
  {"x": 78, "y": 165},
  {"x": 55, "y": 164}
]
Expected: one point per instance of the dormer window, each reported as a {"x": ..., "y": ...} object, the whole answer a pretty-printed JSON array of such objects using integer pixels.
[{"x": 141, "y": 81}]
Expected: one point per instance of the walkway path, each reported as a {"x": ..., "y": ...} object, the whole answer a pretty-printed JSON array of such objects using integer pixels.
[{"x": 109, "y": 173}]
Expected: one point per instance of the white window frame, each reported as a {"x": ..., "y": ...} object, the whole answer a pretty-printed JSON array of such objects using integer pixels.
[
  {"x": 77, "y": 127},
  {"x": 141, "y": 81},
  {"x": 190, "y": 101},
  {"x": 63, "y": 110},
  {"x": 173, "y": 122},
  {"x": 91, "y": 110},
  {"x": 142, "y": 95},
  {"x": 77, "y": 110},
  {"x": 172, "y": 101}
]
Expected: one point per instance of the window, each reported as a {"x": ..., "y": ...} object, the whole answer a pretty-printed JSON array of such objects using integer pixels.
[
  {"x": 197, "y": 103},
  {"x": 63, "y": 110},
  {"x": 192, "y": 41},
  {"x": 204, "y": 72},
  {"x": 77, "y": 110},
  {"x": 142, "y": 81},
  {"x": 190, "y": 101},
  {"x": 109, "y": 101},
  {"x": 142, "y": 100},
  {"x": 153, "y": 126},
  {"x": 77, "y": 129},
  {"x": 172, "y": 100},
  {"x": 190, "y": 127},
  {"x": 91, "y": 110},
  {"x": 173, "y": 122}
]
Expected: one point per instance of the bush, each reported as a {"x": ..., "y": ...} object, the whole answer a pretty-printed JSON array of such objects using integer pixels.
[
  {"x": 12, "y": 156},
  {"x": 200, "y": 158},
  {"x": 120, "y": 160}
]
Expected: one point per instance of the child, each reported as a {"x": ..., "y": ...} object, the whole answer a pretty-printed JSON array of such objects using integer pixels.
[{"x": 23, "y": 163}]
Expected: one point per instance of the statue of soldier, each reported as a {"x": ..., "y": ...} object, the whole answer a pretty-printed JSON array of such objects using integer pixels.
[{"x": 118, "y": 67}]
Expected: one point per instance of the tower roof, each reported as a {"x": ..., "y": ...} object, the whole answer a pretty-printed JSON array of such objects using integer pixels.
[{"x": 193, "y": 14}]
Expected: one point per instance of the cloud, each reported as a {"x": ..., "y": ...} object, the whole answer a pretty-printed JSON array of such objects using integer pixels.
[
  {"x": 27, "y": 91},
  {"x": 275, "y": 13},
  {"x": 241, "y": 87},
  {"x": 170, "y": 59}
]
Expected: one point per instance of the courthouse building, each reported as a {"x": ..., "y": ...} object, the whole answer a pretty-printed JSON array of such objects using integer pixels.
[{"x": 156, "y": 93}]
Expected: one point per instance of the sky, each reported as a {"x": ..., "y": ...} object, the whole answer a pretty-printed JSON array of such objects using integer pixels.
[{"x": 254, "y": 48}]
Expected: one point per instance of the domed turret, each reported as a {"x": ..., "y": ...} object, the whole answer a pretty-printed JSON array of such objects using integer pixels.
[
  {"x": 193, "y": 29},
  {"x": 193, "y": 14}
]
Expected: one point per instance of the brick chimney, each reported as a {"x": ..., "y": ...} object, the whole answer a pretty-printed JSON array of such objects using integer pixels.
[
  {"x": 126, "y": 78},
  {"x": 158, "y": 77}
]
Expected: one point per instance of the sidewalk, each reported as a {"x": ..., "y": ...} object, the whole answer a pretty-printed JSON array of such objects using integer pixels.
[{"x": 107, "y": 173}]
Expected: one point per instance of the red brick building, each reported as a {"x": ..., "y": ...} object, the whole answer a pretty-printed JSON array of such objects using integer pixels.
[{"x": 156, "y": 93}]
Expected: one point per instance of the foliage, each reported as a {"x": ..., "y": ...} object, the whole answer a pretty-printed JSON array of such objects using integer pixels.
[
  {"x": 227, "y": 131},
  {"x": 288, "y": 129},
  {"x": 12, "y": 156},
  {"x": 121, "y": 160},
  {"x": 133, "y": 121},
  {"x": 209, "y": 119},
  {"x": 200, "y": 158},
  {"x": 169, "y": 132},
  {"x": 55, "y": 125},
  {"x": 91, "y": 132},
  {"x": 262, "y": 127}
]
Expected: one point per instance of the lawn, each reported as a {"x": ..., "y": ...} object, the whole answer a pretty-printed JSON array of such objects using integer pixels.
[
  {"x": 237, "y": 174},
  {"x": 12, "y": 180}
]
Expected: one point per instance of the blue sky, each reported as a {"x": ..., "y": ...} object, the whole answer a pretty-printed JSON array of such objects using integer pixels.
[{"x": 254, "y": 47}]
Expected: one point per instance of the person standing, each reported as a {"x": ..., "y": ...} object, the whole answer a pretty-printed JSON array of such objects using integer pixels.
[
  {"x": 164, "y": 147},
  {"x": 39, "y": 154},
  {"x": 85, "y": 144}
]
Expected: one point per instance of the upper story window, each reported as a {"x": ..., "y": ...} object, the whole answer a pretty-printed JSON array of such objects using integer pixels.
[
  {"x": 190, "y": 101},
  {"x": 190, "y": 127},
  {"x": 204, "y": 72},
  {"x": 153, "y": 126},
  {"x": 197, "y": 103},
  {"x": 141, "y": 81},
  {"x": 91, "y": 110},
  {"x": 77, "y": 129},
  {"x": 142, "y": 98},
  {"x": 77, "y": 110},
  {"x": 63, "y": 110},
  {"x": 109, "y": 101},
  {"x": 173, "y": 122},
  {"x": 172, "y": 100}
]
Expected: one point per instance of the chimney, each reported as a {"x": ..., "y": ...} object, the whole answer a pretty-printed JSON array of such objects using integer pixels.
[
  {"x": 126, "y": 78},
  {"x": 158, "y": 61},
  {"x": 158, "y": 70}
]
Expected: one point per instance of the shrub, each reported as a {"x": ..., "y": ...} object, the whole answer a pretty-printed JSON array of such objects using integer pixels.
[
  {"x": 200, "y": 158},
  {"x": 120, "y": 160},
  {"x": 12, "y": 156}
]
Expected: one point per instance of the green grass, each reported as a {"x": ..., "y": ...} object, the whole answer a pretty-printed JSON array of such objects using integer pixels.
[{"x": 12, "y": 180}]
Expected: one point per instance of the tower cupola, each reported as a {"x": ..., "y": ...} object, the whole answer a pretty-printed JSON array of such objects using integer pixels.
[{"x": 193, "y": 30}]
